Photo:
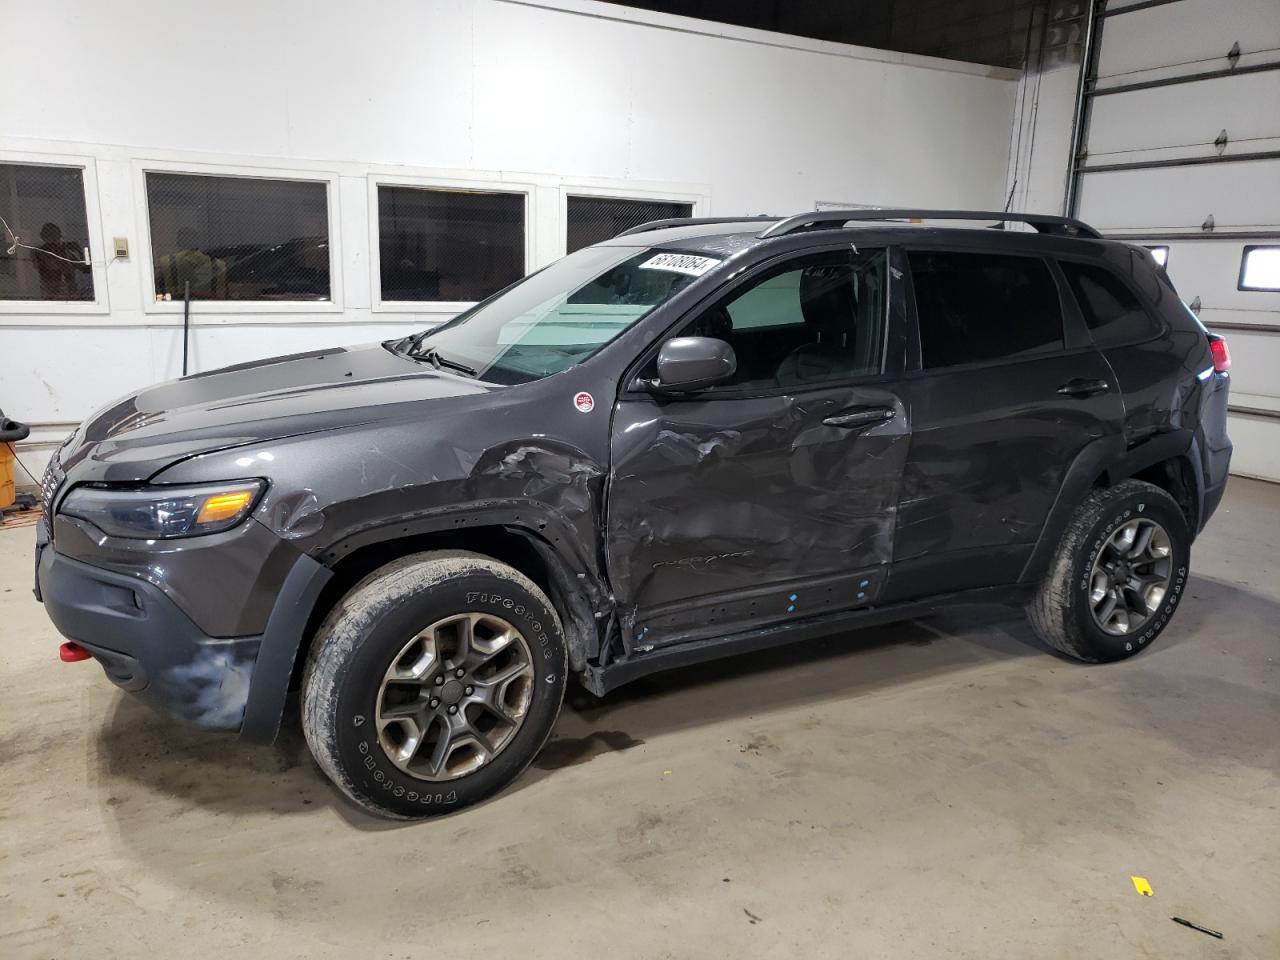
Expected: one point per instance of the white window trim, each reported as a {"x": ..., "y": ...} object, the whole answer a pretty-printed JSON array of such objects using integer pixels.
[
  {"x": 142, "y": 167},
  {"x": 99, "y": 305},
  {"x": 699, "y": 197},
  {"x": 444, "y": 309}
]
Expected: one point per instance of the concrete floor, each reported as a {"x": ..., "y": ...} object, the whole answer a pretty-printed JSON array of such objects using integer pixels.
[{"x": 939, "y": 789}]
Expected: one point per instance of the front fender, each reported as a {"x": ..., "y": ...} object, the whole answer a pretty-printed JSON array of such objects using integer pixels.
[{"x": 579, "y": 590}]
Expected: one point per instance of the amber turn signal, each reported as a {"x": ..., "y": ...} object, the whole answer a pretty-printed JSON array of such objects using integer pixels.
[{"x": 225, "y": 506}]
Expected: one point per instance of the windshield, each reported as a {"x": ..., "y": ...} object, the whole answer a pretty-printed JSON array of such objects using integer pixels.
[{"x": 558, "y": 316}]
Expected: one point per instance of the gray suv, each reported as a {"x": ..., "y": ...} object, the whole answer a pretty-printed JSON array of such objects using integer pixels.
[{"x": 700, "y": 438}]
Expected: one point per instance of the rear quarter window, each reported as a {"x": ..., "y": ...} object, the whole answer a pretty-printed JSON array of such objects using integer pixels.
[
  {"x": 1111, "y": 310},
  {"x": 980, "y": 307}
]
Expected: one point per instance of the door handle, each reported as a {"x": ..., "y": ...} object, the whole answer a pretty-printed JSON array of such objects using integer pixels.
[
  {"x": 1080, "y": 387},
  {"x": 859, "y": 418}
]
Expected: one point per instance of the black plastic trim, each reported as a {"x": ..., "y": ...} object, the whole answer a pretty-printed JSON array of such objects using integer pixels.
[
  {"x": 600, "y": 680},
  {"x": 279, "y": 649}
]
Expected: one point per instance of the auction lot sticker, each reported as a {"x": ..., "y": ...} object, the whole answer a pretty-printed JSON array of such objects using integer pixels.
[{"x": 680, "y": 263}]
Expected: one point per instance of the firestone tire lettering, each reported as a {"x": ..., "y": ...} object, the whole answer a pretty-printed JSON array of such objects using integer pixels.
[{"x": 351, "y": 653}]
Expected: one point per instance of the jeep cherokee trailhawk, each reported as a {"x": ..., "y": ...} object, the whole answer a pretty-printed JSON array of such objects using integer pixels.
[{"x": 699, "y": 438}]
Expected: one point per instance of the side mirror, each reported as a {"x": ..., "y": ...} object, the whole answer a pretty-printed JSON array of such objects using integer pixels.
[{"x": 693, "y": 363}]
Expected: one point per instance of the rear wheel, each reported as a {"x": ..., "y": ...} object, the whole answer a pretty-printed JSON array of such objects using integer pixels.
[
  {"x": 433, "y": 683},
  {"x": 1118, "y": 575}
]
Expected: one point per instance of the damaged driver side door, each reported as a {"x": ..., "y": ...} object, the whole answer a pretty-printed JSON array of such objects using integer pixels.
[{"x": 770, "y": 496}]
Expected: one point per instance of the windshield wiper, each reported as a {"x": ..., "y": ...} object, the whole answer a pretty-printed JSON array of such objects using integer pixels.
[
  {"x": 410, "y": 347},
  {"x": 434, "y": 357},
  {"x": 415, "y": 341}
]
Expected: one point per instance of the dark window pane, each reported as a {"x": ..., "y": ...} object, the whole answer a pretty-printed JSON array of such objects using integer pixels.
[
  {"x": 44, "y": 208},
  {"x": 975, "y": 307},
  {"x": 810, "y": 320},
  {"x": 592, "y": 219},
  {"x": 239, "y": 238},
  {"x": 448, "y": 245},
  {"x": 1111, "y": 309}
]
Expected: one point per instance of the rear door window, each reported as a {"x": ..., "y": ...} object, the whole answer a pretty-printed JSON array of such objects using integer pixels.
[
  {"x": 980, "y": 307},
  {"x": 1111, "y": 310}
]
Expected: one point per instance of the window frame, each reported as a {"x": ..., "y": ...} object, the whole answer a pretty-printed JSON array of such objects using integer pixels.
[
  {"x": 1075, "y": 335},
  {"x": 98, "y": 247},
  {"x": 442, "y": 309},
  {"x": 1244, "y": 258},
  {"x": 631, "y": 390},
  {"x": 698, "y": 198},
  {"x": 1161, "y": 328},
  {"x": 150, "y": 305}
]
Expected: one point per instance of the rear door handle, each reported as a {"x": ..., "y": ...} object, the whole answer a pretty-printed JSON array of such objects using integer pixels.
[
  {"x": 860, "y": 418},
  {"x": 1081, "y": 387}
]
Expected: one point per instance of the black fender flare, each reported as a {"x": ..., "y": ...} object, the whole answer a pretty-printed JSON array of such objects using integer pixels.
[
  {"x": 1108, "y": 458},
  {"x": 577, "y": 591},
  {"x": 577, "y": 587}
]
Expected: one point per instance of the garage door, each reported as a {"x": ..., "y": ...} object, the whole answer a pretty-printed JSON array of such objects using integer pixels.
[{"x": 1179, "y": 147}]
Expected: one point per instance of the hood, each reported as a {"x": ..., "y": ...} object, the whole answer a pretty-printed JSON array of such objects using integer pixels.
[{"x": 132, "y": 439}]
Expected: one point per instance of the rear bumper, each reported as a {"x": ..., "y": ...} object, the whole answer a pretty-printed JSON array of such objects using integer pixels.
[
  {"x": 149, "y": 647},
  {"x": 1212, "y": 497},
  {"x": 1211, "y": 448}
]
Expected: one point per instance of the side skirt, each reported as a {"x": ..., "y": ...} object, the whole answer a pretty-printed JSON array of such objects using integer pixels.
[{"x": 600, "y": 680}]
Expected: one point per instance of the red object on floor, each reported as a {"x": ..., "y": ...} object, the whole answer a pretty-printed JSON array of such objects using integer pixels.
[{"x": 73, "y": 653}]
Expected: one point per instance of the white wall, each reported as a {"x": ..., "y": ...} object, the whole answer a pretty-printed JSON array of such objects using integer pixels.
[{"x": 543, "y": 95}]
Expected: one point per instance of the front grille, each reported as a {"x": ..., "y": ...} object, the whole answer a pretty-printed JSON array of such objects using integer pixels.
[{"x": 49, "y": 485}]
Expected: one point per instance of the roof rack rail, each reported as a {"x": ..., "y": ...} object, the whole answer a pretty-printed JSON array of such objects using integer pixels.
[
  {"x": 834, "y": 219},
  {"x": 689, "y": 222}
]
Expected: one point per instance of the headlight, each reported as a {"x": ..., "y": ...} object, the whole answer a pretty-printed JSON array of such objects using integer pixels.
[{"x": 162, "y": 513}]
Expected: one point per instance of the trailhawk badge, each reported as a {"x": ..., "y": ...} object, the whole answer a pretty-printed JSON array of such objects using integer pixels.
[{"x": 584, "y": 402}]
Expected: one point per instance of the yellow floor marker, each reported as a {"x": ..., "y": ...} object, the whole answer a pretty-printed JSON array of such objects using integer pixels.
[{"x": 1140, "y": 884}]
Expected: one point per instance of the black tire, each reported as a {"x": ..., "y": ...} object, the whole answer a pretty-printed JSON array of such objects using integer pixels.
[
  {"x": 367, "y": 630},
  {"x": 1062, "y": 613}
]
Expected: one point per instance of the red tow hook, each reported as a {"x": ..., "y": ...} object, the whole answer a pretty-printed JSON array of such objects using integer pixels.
[{"x": 73, "y": 653}]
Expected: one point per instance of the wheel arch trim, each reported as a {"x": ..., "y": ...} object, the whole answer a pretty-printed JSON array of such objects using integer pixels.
[
  {"x": 1107, "y": 460},
  {"x": 269, "y": 686},
  {"x": 577, "y": 593}
]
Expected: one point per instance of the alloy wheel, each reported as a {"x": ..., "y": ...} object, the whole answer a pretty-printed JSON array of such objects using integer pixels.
[
  {"x": 1130, "y": 576},
  {"x": 455, "y": 696}
]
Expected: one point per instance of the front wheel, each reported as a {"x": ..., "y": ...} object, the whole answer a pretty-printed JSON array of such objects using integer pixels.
[
  {"x": 433, "y": 683},
  {"x": 1119, "y": 573}
]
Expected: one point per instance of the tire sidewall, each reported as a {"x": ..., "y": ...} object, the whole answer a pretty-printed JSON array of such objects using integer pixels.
[
  {"x": 371, "y": 772},
  {"x": 1115, "y": 514}
]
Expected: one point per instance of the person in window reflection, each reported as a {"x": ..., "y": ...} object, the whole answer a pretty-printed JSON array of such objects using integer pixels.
[
  {"x": 57, "y": 276},
  {"x": 207, "y": 275}
]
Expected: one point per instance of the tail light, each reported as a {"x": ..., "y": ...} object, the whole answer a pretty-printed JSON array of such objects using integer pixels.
[{"x": 1221, "y": 355}]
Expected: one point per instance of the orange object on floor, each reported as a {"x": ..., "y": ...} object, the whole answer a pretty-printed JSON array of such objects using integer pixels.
[{"x": 7, "y": 489}]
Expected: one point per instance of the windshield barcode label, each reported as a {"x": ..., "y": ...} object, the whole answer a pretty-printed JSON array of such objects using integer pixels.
[{"x": 680, "y": 263}]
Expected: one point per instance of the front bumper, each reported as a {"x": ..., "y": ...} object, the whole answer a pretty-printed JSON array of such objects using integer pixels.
[
  {"x": 146, "y": 644},
  {"x": 149, "y": 647}
]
